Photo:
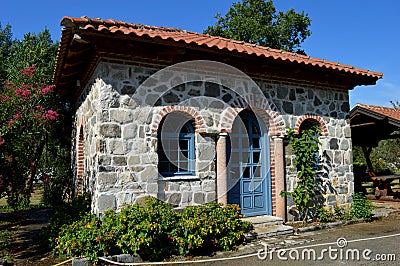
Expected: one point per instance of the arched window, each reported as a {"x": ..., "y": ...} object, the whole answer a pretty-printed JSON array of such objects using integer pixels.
[
  {"x": 176, "y": 152},
  {"x": 314, "y": 126}
]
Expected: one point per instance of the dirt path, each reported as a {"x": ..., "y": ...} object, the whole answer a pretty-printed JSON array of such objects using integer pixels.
[{"x": 28, "y": 247}]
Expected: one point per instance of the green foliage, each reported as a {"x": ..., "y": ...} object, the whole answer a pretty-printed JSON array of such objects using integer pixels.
[
  {"x": 385, "y": 158},
  {"x": 361, "y": 207},
  {"x": 34, "y": 50},
  {"x": 5, "y": 44},
  {"x": 82, "y": 237},
  {"x": 342, "y": 214},
  {"x": 305, "y": 146},
  {"x": 55, "y": 174},
  {"x": 66, "y": 213},
  {"x": 153, "y": 231},
  {"x": 30, "y": 148},
  {"x": 142, "y": 229},
  {"x": 326, "y": 216},
  {"x": 5, "y": 239},
  {"x": 209, "y": 227},
  {"x": 27, "y": 119},
  {"x": 257, "y": 21}
]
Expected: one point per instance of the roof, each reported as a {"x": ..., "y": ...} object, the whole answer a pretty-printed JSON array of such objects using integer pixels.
[
  {"x": 379, "y": 111},
  {"x": 370, "y": 124},
  {"x": 173, "y": 36}
]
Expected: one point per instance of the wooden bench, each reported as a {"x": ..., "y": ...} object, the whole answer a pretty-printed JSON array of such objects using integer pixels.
[{"x": 382, "y": 184}]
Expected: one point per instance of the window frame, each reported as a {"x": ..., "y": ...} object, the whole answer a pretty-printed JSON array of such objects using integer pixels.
[{"x": 188, "y": 137}]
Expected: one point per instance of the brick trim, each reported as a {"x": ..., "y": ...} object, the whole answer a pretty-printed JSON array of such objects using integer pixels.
[
  {"x": 263, "y": 108},
  {"x": 324, "y": 128},
  {"x": 273, "y": 120},
  {"x": 80, "y": 161},
  {"x": 199, "y": 124}
]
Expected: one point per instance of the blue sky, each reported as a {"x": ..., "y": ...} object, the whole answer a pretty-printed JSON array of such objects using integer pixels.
[{"x": 362, "y": 33}]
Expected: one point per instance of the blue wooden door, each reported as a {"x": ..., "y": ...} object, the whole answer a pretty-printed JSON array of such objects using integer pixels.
[{"x": 249, "y": 179}]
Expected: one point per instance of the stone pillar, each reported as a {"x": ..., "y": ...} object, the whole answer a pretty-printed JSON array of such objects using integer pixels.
[
  {"x": 222, "y": 178},
  {"x": 279, "y": 177}
]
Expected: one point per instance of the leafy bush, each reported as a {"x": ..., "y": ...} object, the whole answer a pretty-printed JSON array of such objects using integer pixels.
[
  {"x": 326, "y": 216},
  {"x": 143, "y": 230},
  {"x": 66, "y": 213},
  {"x": 210, "y": 227},
  {"x": 154, "y": 231},
  {"x": 361, "y": 207},
  {"x": 341, "y": 214},
  {"x": 81, "y": 238},
  {"x": 5, "y": 239}
]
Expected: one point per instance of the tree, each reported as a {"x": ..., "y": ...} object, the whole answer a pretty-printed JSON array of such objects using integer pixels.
[
  {"x": 32, "y": 147},
  {"x": 5, "y": 44},
  {"x": 258, "y": 22},
  {"x": 26, "y": 120},
  {"x": 34, "y": 50}
]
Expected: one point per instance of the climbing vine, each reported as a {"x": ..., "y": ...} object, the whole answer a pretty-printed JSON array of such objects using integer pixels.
[{"x": 305, "y": 148}]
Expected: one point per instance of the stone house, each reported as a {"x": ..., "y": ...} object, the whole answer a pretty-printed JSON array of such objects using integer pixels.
[{"x": 190, "y": 118}]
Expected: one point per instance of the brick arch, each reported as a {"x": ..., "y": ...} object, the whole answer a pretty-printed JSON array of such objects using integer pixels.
[
  {"x": 266, "y": 111},
  {"x": 199, "y": 124},
  {"x": 321, "y": 122}
]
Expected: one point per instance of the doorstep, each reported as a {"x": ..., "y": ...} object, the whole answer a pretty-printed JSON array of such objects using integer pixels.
[{"x": 267, "y": 226}]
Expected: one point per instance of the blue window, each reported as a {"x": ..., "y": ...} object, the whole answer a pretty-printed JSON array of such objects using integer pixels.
[{"x": 176, "y": 153}]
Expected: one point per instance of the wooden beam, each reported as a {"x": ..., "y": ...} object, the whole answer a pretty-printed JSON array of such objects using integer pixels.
[{"x": 363, "y": 124}]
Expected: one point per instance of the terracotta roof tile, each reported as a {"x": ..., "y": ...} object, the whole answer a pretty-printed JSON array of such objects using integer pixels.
[
  {"x": 119, "y": 27},
  {"x": 393, "y": 113}
]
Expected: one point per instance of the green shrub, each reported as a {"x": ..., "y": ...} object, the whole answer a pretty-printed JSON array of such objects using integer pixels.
[
  {"x": 326, "y": 216},
  {"x": 341, "y": 214},
  {"x": 361, "y": 207},
  {"x": 66, "y": 213},
  {"x": 210, "y": 227},
  {"x": 5, "y": 239},
  {"x": 143, "y": 230},
  {"x": 153, "y": 231},
  {"x": 81, "y": 238}
]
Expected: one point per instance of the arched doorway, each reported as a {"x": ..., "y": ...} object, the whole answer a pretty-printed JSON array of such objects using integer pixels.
[{"x": 249, "y": 180}]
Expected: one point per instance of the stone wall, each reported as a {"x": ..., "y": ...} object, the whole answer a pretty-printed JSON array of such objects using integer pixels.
[{"x": 120, "y": 110}]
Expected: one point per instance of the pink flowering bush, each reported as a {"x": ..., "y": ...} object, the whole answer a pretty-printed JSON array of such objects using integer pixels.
[{"x": 27, "y": 117}]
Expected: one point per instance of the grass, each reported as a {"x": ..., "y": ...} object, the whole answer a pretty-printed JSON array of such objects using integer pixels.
[
  {"x": 8, "y": 232},
  {"x": 36, "y": 199}
]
